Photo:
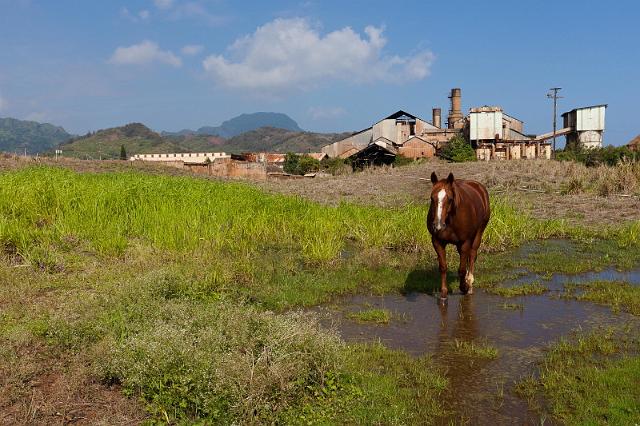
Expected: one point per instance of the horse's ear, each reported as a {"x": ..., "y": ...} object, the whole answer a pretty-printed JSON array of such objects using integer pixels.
[
  {"x": 450, "y": 178},
  {"x": 434, "y": 178}
]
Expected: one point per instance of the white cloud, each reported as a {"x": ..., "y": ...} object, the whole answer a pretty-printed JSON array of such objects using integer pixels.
[
  {"x": 191, "y": 49},
  {"x": 144, "y": 14},
  {"x": 289, "y": 54},
  {"x": 325, "y": 113},
  {"x": 145, "y": 52},
  {"x": 163, "y": 4}
]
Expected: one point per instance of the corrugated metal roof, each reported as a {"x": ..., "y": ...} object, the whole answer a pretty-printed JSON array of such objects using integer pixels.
[{"x": 586, "y": 107}]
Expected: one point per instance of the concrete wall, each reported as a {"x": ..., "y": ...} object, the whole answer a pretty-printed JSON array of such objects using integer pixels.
[
  {"x": 483, "y": 154},
  {"x": 511, "y": 151},
  {"x": 231, "y": 168}
]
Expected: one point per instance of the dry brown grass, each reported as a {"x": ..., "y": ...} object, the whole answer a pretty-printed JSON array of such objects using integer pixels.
[{"x": 547, "y": 189}]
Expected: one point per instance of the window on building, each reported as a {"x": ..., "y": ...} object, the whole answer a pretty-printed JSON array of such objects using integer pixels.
[{"x": 412, "y": 129}]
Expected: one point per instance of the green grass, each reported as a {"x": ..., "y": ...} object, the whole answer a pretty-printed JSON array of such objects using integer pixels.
[
  {"x": 534, "y": 288},
  {"x": 481, "y": 350},
  {"x": 378, "y": 316},
  {"x": 619, "y": 295},
  {"x": 378, "y": 386},
  {"x": 584, "y": 384}
]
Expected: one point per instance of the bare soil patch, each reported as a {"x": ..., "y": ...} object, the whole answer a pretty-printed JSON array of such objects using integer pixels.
[{"x": 42, "y": 388}]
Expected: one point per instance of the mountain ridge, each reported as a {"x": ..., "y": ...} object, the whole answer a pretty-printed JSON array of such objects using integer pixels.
[
  {"x": 32, "y": 136},
  {"x": 243, "y": 123}
]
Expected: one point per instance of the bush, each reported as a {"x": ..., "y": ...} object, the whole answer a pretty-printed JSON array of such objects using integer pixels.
[
  {"x": 336, "y": 166},
  {"x": 300, "y": 164},
  {"x": 222, "y": 362},
  {"x": 402, "y": 161},
  {"x": 609, "y": 155},
  {"x": 458, "y": 150}
]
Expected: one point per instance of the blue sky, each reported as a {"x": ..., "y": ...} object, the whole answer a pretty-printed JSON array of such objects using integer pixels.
[{"x": 330, "y": 65}]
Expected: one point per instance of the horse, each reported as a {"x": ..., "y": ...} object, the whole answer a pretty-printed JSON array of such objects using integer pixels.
[{"x": 458, "y": 215}]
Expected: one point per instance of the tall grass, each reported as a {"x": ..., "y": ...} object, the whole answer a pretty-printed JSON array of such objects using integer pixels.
[{"x": 44, "y": 206}]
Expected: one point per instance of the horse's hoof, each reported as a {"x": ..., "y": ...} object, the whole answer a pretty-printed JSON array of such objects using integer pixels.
[
  {"x": 443, "y": 300},
  {"x": 470, "y": 291}
]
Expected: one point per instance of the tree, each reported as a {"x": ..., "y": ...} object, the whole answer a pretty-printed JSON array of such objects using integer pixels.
[
  {"x": 308, "y": 164},
  {"x": 123, "y": 153},
  {"x": 291, "y": 163},
  {"x": 458, "y": 150},
  {"x": 295, "y": 164}
]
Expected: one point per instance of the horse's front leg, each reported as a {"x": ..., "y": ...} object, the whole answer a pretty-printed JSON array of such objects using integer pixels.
[
  {"x": 442, "y": 266},
  {"x": 464, "y": 250},
  {"x": 473, "y": 255}
]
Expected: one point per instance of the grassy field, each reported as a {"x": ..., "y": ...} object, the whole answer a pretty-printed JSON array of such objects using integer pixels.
[
  {"x": 127, "y": 295},
  {"x": 590, "y": 378}
]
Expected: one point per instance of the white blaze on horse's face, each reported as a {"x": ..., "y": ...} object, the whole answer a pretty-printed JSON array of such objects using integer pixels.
[{"x": 442, "y": 194}]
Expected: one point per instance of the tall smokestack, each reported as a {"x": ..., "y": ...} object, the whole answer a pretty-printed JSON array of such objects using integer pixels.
[
  {"x": 437, "y": 117},
  {"x": 455, "y": 113}
]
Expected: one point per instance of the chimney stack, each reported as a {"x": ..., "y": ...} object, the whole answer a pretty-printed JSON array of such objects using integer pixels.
[
  {"x": 437, "y": 117},
  {"x": 455, "y": 113}
]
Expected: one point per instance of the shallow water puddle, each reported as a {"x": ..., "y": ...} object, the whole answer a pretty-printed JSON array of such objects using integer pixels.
[{"x": 481, "y": 390}]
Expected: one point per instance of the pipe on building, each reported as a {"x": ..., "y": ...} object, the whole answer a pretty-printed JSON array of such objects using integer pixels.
[
  {"x": 437, "y": 117},
  {"x": 455, "y": 113}
]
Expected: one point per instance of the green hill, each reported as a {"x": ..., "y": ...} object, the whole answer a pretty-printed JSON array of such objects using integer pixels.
[
  {"x": 18, "y": 135},
  {"x": 136, "y": 138},
  {"x": 279, "y": 140},
  {"x": 139, "y": 139},
  {"x": 267, "y": 139}
]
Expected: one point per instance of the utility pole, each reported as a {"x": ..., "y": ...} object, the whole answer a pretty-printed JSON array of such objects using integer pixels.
[{"x": 553, "y": 94}]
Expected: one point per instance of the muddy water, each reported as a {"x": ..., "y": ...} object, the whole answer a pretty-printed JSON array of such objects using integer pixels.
[{"x": 481, "y": 391}]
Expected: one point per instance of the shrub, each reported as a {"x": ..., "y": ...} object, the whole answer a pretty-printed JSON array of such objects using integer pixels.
[
  {"x": 222, "y": 362},
  {"x": 609, "y": 155},
  {"x": 402, "y": 161},
  {"x": 336, "y": 166},
  {"x": 458, "y": 150},
  {"x": 300, "y": 164}
]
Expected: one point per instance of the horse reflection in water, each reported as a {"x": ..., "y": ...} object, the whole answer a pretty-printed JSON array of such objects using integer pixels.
[
  {"x": 458, "y": 215},
  {"x": 466, "y": 375}
]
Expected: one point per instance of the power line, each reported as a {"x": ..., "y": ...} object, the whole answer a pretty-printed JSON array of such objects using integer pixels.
[{"x": 555, "y": 98}]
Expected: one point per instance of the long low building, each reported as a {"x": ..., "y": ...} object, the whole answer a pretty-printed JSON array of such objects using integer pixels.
[{"x": 182, "y": 157}]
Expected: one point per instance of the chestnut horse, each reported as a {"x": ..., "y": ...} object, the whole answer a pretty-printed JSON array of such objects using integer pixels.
[{"x": 458, "y": 215}]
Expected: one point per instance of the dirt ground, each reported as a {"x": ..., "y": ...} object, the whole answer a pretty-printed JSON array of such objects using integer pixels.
[
  {"x": 536, "y": 187},
  {"x": 56, "y": 390}
]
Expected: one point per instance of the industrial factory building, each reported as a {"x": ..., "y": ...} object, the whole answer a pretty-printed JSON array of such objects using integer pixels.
[
  {"x": 400, "y": 133},
  {"x": 494, "y": 134},
  {"x": 585, "y": 126}
]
